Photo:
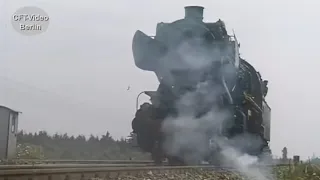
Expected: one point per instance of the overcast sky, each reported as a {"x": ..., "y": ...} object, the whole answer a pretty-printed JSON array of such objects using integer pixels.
[{"x": 74, "y": 77}]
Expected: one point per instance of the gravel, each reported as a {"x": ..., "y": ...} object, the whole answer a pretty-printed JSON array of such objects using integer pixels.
[{"x": 200, "y": 175}]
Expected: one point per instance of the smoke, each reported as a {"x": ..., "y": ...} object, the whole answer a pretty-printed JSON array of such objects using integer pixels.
[
  {"x": 187, "y": 136},
  {"x": 195, "y": 139},
  {"x": 246, "y": 164}
]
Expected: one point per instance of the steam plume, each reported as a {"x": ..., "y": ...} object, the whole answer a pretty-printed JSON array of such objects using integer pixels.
[{"x": 187, "y": 136}]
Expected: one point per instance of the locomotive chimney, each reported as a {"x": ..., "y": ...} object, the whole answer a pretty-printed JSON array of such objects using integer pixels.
[{"x": 193, "y": 12}]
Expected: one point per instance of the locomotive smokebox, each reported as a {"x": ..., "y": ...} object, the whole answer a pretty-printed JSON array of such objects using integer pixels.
[{"x": 194, "y": 12}]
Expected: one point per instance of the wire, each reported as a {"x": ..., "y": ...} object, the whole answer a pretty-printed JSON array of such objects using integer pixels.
[{"x": 72, "y": 100}]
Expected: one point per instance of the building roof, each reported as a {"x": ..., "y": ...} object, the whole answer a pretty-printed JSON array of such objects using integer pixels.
[{"x": 4, "y": 107}]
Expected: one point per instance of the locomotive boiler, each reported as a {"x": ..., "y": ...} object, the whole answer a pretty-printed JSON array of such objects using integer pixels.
[{"x": 201, "y": 76}]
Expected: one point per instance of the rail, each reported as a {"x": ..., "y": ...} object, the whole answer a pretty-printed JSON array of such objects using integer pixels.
[
  {"x": 60, "y": 166},
  {"x": 63, "y": 161}
]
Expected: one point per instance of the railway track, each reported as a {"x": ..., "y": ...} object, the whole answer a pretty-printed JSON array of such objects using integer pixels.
[
  {"x": 97, "y": 171},
  {"x": 50, "y": 161},
  {"x": 64, "y": 166}
]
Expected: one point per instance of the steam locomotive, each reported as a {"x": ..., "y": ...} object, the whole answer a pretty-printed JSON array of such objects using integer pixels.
[{"x": 188, "y": 54}]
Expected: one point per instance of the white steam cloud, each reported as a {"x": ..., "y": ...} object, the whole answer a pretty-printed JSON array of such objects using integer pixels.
[{"x": 187, "y": 137}]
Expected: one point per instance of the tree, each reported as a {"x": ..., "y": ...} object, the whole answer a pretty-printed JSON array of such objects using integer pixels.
[
  {"x": 285, "y": 154},
  {"x": 63, "y": 146}
]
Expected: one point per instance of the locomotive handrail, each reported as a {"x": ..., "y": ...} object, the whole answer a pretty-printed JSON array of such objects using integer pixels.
[
  {"x": 250, "y": 99},
  {"x": 137, "y": 100}
]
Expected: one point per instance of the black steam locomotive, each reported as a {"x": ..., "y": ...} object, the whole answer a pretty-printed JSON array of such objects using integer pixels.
[{"x": 201, "y": 75}]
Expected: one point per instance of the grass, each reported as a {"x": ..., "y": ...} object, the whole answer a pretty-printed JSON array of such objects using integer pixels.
[{"x": 307, "y": 171}]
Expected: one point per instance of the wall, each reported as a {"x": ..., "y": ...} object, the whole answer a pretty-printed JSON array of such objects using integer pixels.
[
  {"x": 4, "y": 117},
  {"x": 13, "y": 130}
]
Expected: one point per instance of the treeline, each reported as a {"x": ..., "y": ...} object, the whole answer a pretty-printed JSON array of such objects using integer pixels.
[
  {"x": 41, "y": 145},
  {"x": 63, "y": 146}
]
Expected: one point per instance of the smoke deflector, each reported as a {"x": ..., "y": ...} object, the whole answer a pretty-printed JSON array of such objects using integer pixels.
[{"x": 146, "y": 51}]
